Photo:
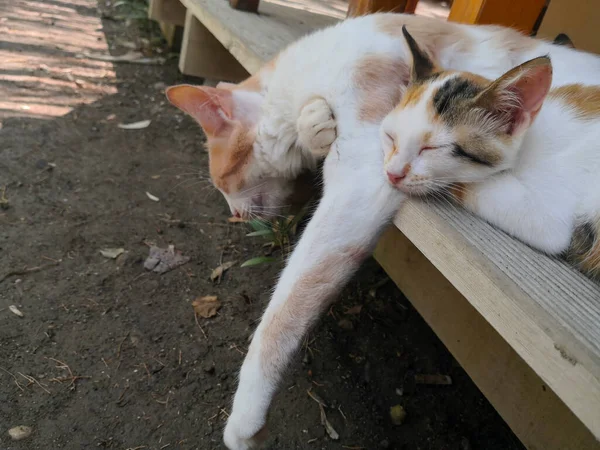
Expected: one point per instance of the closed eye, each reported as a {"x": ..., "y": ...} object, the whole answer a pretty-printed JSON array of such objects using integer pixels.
[{"x": 459, "y": 151}]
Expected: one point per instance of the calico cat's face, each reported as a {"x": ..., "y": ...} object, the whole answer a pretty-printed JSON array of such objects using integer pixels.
[
  {"x": 456, "y": 127},
  {"x": 230, "y": 119}
]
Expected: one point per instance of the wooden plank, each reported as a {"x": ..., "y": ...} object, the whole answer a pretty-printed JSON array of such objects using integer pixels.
[
  {"x": 170, "y": 12},
  {"x": 204, "y": 56},
  {"x": 362, "y": 7},
  {"x": 531, "y": 409},
  {"x": 254, "y": 39},
  {"x": 580, "y": 19},
  {"x": 520, "y": 14},
  {"x": 547, "y": 312}
]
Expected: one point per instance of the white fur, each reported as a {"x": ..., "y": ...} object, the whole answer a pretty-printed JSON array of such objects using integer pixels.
[{"x": 357, "y": 202}]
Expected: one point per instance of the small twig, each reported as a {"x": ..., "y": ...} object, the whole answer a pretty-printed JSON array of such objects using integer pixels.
[
  {"x": 235, "y": 347},
  {"x": 73, "y": 378},
  {"x": 343, "y": 415},
  {"x": 201, "y": 329},
  {"x": 179, "y": 357},
  {"x": 224, "y": 412},
  {"x": 26, "y": 271},
  {"x": 164, "y": 446},
  {"x": 34, "y": 381},
  {"x": 105, "y": 363},
  {"x": 14, "y": 378},
  {"x": 120, "y": 345},
  {"x": 316, "y": 398}
]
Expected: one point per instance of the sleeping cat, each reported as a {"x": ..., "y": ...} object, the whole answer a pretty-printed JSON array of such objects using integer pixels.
[
  {"x": 522, "y": 156},
  {"x": 260, "y": 135}
]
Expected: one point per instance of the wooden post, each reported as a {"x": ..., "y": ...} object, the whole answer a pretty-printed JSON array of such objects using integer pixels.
[
  {"x": 535, "y": 414},
  {"x": 245, "y": 5},
  {"x": 362, "y": 7},
  {"x": 519, "y": 14},
  {"x": 202, "y": 55}
]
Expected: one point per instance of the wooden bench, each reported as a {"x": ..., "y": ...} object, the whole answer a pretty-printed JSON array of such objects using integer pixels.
[{"x": 524, "y": 326}]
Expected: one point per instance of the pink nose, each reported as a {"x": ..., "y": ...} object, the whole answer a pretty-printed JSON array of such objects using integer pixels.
[{"x": 395, "y": 178}]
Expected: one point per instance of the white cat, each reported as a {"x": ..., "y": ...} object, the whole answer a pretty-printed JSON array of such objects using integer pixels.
[
  {"x": 522, "y": 156},
  {"x": 259, "y": 136}
]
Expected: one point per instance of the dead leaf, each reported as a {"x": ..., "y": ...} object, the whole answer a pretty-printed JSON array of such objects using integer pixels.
[
  {"x": 328, "y": 427},
  {"x": 206, "y": 306},
  {"x": 354, "y": 311},
  {"x": 438, "y": 379},
  {"x": 219, "y": 271},
  {"x": 152, "y": 197},
  {"x": 13, "y": 309},
  {"x": 346, "y": 324},
  {"x": 397, "y": 414},
  {"x": 112, "y": 253},
  {"x": 236, "y": 220},
  {"x": 161, "y": 260},
  {"x": 20, "y": 432},
  {"x": 155, "y": 177},
  {"x": 135, "y": 125}
]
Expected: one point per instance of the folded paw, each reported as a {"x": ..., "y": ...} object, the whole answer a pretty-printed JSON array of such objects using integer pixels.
[{"x": 316, "y": 126}]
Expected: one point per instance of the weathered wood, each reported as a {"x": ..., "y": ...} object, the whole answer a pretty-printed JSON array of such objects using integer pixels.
[
  {"x": 245, "y": 5},
  {"x": 255, "y": 38},
  {"x": 204, "y": 56},
  {"x": 580, "y": 19},
  {"x": 545, "y": 310},
  {"x": 362, "y": 7},
  {"x": 531, "y": 409},
  {"x": 170, "y": 12},
  {"x": 520, "y": 14}
]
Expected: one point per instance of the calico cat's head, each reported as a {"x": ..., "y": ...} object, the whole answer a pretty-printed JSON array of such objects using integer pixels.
[
  {"x": 240, "y": 151},
  {"x": 453, "y": 127}
]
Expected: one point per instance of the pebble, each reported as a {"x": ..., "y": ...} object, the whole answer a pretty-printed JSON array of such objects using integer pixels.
[
  {"x": 397, "y": 414},
  {"x": 20, "y": 432}
]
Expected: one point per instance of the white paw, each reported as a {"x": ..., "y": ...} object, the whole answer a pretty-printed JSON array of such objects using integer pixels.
[
  {"x": 316, "y": 126},
  {"x": 242, "y": 434}
]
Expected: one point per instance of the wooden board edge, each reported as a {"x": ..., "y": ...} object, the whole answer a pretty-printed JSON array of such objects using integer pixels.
[
  {"x": 532, "y": 410},
  {"x": 250, "y": 61},
  {"x": 529, "y": 331}
]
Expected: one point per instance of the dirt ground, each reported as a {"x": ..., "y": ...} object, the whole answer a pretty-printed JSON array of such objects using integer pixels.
[{"x": 109, "y": 355}]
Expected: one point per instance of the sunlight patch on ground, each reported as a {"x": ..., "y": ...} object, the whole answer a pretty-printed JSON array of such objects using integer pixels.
[{"x": 43, "y": 72}]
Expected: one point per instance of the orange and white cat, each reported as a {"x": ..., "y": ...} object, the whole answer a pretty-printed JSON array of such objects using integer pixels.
[
  {"x": 341, "y": 81},
  {"x": 521, "y": 155}
]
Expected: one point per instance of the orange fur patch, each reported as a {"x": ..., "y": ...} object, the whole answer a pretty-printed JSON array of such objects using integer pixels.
[
  {"x": 413, "y": 94},
  {"x": 229, "y": 157},
  {"x": 380, "y": 81},
  {"x": 459, "y": 192},
  {"x": 584, "y": 100},
  {"x": 309, "y": 297}
]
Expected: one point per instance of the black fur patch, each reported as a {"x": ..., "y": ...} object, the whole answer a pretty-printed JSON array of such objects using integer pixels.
[
  {"x": 451, "y": 92},
  {"x": 460, "y": 152},
  {"x": 582, "y": 241}
]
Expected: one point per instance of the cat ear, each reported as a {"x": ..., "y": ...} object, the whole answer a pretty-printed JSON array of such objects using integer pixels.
[
  {"x": 212, "y": 108},
  {"x": 422, "y": 65},
  {"x": 517, "y": 96}
]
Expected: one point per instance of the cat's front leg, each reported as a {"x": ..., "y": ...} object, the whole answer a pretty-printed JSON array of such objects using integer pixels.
[
  {"x": 316, "y": 126},
  {"x": 526, "y": 212},
  {"x": 339, "y": 237}
]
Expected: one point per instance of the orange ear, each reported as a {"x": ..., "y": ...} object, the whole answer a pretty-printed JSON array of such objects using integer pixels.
[{"x": 212, "y": 108}]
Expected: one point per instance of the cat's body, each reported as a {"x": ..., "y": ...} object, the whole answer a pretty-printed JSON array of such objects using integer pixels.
[
  {"x": 359, "y": 68},
  {"x": 522, "y": 156}
]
